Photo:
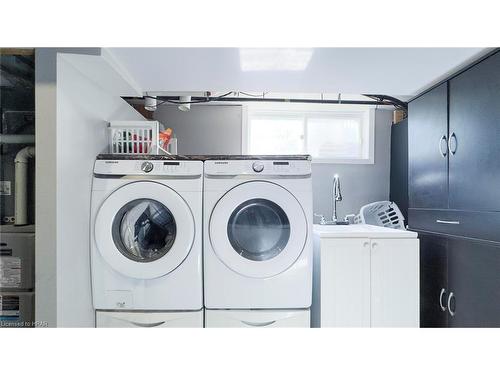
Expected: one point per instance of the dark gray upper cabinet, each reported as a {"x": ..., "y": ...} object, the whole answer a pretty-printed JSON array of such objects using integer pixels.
[
  {"x": 427, "y": 149},
  {"x": 474, "y": 160}
]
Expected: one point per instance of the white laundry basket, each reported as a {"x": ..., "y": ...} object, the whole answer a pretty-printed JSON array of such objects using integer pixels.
[
  {"x": 133, "y": 137},
  {"x": 382, "y": 214}
]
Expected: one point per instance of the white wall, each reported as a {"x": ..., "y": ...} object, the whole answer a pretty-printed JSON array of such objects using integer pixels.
[
  {"x": 45, "y": 176},
  {"x": 73, "y": 107},
  {"x": 361, "y": 183}
]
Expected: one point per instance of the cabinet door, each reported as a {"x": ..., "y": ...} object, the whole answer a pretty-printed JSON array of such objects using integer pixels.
[
  {"x": 474, "y": 157},
  {"x": 474, "y": 280},
  {"x": 394, "y": 283},
  {"x": 398, "y": 191},
  {"x": 428, "y": 160},
  {"x": 345, "y": 282},
  {"x": 433, "y": 280}
]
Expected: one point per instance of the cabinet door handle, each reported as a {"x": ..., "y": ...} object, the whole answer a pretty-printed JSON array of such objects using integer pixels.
[
  {"x": 445, "y": 152},
  {"x": 443, "y": 291},
  {"x": 147, "y": 325},
  {"x": 366, "y": 244},
  {"x": 453, "y": 150},
  {"x": 258, "y": 324},
  {"x": 452, "y": 312},
  {"x": 453, "y": 222}
]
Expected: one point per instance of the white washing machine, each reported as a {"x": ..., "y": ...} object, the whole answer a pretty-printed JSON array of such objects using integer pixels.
[
  {"x": 146, "y": 239},
  {"x": 257, "y": 237}
]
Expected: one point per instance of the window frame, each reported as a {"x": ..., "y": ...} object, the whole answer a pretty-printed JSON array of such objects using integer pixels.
[{"x": 307, "y": 110}]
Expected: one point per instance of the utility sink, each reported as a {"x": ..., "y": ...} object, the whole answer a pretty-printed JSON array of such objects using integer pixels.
[{"x": 361, "y": 230}]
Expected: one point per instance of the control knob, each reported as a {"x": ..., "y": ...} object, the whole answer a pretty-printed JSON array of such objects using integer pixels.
[
  {"x": 147, "y": 166},
  {"x": 258, "y": 167}
]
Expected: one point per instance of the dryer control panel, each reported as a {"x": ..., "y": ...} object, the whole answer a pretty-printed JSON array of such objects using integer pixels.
[
  {"x": 149, "y": 167},
  {"x": 258, "y": 167}
]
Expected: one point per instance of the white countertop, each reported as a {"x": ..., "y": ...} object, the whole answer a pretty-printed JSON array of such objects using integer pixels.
[{"x": 360, "y": 230}]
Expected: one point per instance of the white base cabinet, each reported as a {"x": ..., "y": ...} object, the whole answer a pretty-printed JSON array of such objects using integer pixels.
[
  {"x": 149, "y": 319},
  {"x": 365, "y": 278},
  {"x": 395, "y": 283},
  {"x": 257, "y": 318}
]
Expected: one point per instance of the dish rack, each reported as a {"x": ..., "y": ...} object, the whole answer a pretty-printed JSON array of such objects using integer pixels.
[
  {"x": 133, "y": 137},
  {"x": 382, "y": 214}
]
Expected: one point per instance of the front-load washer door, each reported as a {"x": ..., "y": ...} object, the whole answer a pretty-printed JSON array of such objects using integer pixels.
[
  {"x": 258, "y": 229},
  {"x": 144, "y": 230}
]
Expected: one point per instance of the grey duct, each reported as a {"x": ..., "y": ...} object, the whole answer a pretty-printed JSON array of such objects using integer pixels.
[
  {"x": 17, "y": 138},
  {"x": 21, "y": 176}
]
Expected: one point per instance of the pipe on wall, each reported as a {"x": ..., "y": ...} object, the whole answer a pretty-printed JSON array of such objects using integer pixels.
[
  {"x": 17, "y": 138},
  {"x": 21, "y": 184}
]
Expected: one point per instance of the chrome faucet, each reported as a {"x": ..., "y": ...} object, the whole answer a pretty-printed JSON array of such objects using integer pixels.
[{"x": 337, "y": 196}]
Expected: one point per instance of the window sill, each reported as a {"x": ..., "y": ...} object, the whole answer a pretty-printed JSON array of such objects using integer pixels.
[{"x": 343, "y": 161}]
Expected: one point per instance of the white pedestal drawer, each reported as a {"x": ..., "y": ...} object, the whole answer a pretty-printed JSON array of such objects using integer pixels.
[
  {"x": 148, "y": 319},
  {"x": 257, "y": 318}
]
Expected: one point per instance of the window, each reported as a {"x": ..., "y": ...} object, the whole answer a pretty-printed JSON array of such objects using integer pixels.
[{"x": 329, "y": 133}]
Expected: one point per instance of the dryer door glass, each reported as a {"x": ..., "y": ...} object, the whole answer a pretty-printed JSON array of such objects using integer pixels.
[
  {"x": 144, "y": 230},
  {"x": 258, "y": 229}
]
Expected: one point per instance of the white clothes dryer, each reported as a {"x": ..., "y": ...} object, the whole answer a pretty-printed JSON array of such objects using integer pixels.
[{"x": 257, "y": 233}]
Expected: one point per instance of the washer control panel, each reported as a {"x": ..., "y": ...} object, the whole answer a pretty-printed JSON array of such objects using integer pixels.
[
  {"x": 258, "y": 167},
  {"x": 149, "y": 167}
]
